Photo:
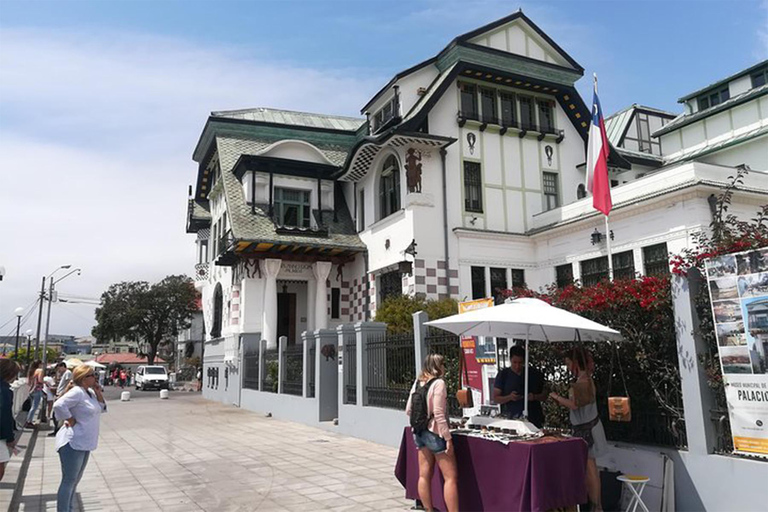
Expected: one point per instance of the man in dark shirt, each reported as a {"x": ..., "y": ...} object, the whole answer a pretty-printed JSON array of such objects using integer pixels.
[{"x": 509, "y": 389}]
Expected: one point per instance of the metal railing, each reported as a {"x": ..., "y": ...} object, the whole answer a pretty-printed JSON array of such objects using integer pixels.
[
  {"x": 391, "y": 370},
  {"x": 650, "y": 428},
  {"x": 269, "y": 380},
  {"x": 293, "y": 363},
  {"x": 722, "y": 423},
  {"x": 350, "y": 368},
  {"x": 251, "y": 370},
  {"x": 469, "y": 114},
  {"x": 311, "y": 371},
  {"x": 449, "y": 346}
]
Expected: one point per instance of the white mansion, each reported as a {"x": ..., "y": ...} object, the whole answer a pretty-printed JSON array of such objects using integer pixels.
[{"x": 465, "y": 175}]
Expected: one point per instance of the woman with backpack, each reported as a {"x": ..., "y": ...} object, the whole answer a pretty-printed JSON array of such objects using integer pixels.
[{"x": 427, "y": 408}]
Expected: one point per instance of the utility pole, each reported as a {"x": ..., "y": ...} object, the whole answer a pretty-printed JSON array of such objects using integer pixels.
[
  {"x": 47, "y": 325},
  {"x": 19, "y": 313},
  {"x": 39, "y": 317}
]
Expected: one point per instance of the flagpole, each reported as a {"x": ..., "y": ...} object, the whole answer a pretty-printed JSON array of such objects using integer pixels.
[
  {"x": 608, "y": 246},
  {"x": 607, "y": 225}
]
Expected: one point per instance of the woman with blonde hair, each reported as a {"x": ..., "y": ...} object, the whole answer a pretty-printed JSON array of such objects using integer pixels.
[
  {"x": 427, "y": 406},
  {"x": 80, "y": 407}
]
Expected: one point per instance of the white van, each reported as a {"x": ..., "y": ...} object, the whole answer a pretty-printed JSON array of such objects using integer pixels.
[{"x": 149, "y": 377}]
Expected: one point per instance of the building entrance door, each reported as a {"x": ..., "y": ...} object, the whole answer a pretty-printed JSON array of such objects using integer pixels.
[{"x": 286, "y": 316}]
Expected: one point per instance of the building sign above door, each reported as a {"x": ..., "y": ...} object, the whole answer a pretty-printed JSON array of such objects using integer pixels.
[{"x": 295, "y": 270}]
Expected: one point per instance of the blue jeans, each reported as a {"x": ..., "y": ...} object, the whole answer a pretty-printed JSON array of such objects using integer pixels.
[
  {"x": 36, "y": 397},
  {"x": 73, "y": 464},
  {"x": 429, "y": 439}
]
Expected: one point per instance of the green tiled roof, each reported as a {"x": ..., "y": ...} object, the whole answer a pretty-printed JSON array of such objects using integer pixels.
[
  {"x": 724, "y": 81},
  {"x": 616, "y": 124},
  {"x": 291, "y": 118},
  {"x": 258, "y": 226},
  {"x": 744, "y": 137}
]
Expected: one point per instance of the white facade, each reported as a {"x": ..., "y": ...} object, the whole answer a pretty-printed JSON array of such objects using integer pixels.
[{"x": 489, "y": 189}]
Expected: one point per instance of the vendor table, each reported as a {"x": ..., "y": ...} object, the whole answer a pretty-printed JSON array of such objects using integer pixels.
[{"x": 537, "y": 475}]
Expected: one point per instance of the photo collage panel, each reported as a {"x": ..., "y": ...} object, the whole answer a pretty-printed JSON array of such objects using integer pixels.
[{"x": 738, "y": 289}]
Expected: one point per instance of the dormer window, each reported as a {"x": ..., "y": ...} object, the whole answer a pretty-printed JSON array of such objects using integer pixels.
[
  {"x": 759, "y": 78},
  {"x": 713, "y": 98},
  {"x": 385, "y": 114},
  {"x": 292, "y": 207}
]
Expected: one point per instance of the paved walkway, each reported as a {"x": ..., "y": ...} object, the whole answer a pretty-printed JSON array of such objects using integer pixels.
[{"x": 187, "y": 454}]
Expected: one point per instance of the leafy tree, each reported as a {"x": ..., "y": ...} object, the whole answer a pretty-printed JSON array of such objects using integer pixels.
[
  {"x": 152, "y": 313},
  {"x": 35, "y": 355},
  {"x": 397, "y": 312}
]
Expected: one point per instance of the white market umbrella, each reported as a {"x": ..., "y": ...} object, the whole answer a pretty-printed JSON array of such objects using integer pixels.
[
  {"x": 93, "y": 364},
  {"x": 532, "y": 319},
  {"x": 73, "y": 362}
]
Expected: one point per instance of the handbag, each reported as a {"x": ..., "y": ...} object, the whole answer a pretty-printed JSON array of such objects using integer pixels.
[
  {"x": 27, "y": 405},
  {"x": 464, "y": 396},
  {"x": 619, "y": 407}
]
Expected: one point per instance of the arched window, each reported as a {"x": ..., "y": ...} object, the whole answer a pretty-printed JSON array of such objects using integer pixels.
[
  {"x": 389, "y": 187},
  {"x": 218, "y": 311}
]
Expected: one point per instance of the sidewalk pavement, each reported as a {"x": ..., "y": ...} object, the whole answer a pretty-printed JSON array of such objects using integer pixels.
[{"x": 188, "y": 454}]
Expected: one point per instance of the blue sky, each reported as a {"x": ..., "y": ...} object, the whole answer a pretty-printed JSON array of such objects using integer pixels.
[{"x": 101, "y": 103}]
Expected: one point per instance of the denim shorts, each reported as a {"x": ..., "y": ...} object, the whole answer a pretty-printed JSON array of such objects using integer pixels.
[{"x": 429, "y": 439}]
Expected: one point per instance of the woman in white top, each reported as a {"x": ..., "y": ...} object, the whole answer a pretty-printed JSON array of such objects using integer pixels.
[
  {"x": 80, "y": 408},
  {"x": 50, "y": 391}
]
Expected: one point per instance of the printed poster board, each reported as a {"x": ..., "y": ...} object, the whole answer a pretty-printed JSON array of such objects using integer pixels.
[
  {"x": 738, "y": 289},
  {"x": 476, "y": 357}
]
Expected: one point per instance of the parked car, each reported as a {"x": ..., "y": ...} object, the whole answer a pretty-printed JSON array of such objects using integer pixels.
[{"x": 151, "y": 377}]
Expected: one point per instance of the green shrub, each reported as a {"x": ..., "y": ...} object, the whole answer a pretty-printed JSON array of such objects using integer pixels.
[{"x": 397, "y": 312}]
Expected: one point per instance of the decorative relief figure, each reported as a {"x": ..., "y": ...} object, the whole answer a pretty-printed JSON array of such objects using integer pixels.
[
  {"x": 413, "y": 170},
  {"x": 471, "y": 139},
  {"x": 548, "y": 151}
]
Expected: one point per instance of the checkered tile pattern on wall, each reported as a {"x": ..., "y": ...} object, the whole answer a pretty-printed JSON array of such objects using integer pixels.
[{"x": 430, "y": 277}]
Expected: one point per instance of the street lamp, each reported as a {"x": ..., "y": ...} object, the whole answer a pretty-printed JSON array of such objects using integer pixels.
[
  {"x": 29, "y": 341},
  {"x": 50, "y": 305},
  {"x": 19, "y": 312}
]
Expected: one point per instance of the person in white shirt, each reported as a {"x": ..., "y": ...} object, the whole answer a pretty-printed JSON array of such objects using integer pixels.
[
  {"x": 49, "y": 388},
  {"x": 64, "y": 377},
  {"x": 80, "y": 408}
]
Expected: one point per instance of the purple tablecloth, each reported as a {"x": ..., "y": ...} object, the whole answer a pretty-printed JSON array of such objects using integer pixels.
[{"x": 539, "y": 475}]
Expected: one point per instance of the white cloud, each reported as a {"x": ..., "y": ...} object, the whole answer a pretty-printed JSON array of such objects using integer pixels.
[{"x": 96, "y": 134}]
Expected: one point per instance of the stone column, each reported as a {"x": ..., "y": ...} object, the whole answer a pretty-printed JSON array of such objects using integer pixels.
[
  {"x": 326, "y": 376},
  {"x": 321, "y": 269},
  {"x": 270, "y": 269},
  {"x": 697, "y": 398},
  {"x": 311, "y": 292}
]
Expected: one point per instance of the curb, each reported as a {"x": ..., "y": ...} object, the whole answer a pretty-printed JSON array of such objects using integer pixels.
[{"x": 19, "y": 490}]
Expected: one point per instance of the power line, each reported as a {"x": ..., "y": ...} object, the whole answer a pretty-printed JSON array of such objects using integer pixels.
[{"x": 14, "y": 316}]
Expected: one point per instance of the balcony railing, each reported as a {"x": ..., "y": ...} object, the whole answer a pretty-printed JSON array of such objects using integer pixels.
[{"x": 201, "y": 271}]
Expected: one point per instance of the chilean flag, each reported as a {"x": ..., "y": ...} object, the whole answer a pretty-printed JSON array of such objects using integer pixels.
[{"x": 597, "y": 160}]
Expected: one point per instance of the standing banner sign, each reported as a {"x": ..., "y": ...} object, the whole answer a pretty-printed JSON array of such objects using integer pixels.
[
  {"x": 476, "y": 355},
  {"x": 738, "y": 289}
]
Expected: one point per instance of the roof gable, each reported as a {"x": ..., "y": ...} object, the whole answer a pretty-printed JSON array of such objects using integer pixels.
[{"x": 517, "y": 34}]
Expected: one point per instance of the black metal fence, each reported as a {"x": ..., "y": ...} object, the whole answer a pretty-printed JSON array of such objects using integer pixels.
[
  {"x": 648, "y": 428},
  {"x": 449, "y": 346},
  {"x": 293, "y": 363},
  {"x": 722, "y": 423},
  {"x": 350, "y": 368},
  {"x": 251, "y": 370},
  {"x": 390, "y": 370},
  {"x": 311, "y": 370},
  {"x": 269, "y": 379}
]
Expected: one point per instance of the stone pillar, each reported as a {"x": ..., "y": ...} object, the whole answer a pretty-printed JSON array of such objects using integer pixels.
[
  {"x": 311, "y": 292},
  {"x": 321, "y": 269},
  {"x": 307, "y": 341},
  {"x": 697, "y": 398},
  {"x": 270, "y": 269},
  {"x": 326, "y": 376},
  {"x": 419, "y": 339}
]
